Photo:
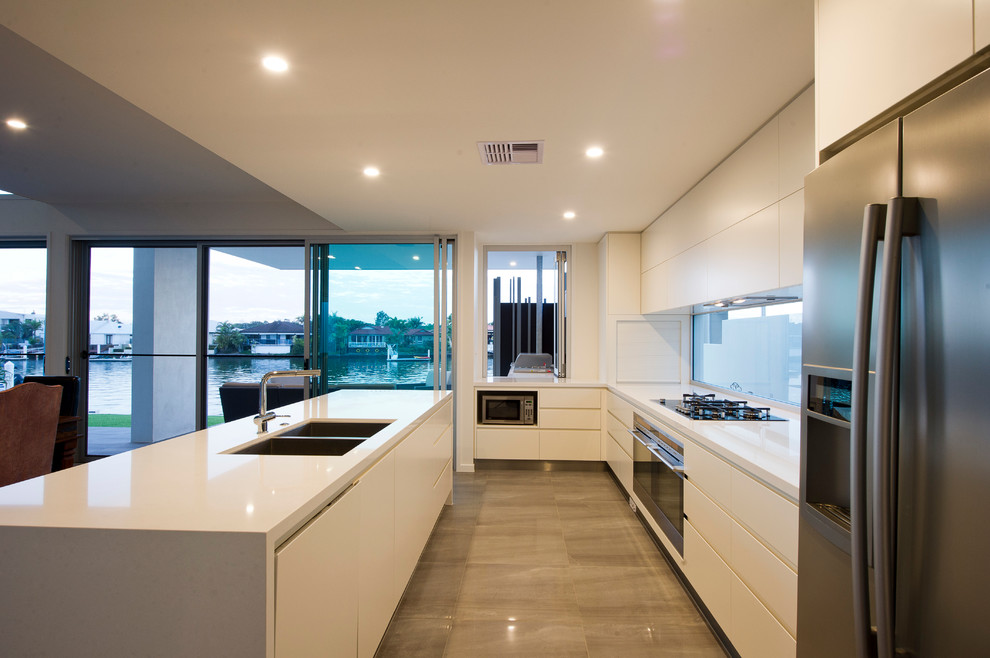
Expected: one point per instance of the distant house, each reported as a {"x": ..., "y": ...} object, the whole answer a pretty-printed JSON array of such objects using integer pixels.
[
  {"x": 272, "y": 337},
  {"x": 368, "y": 340},
  {"x": 419, "y": 337},
  {"x": 107, "y": 337}
]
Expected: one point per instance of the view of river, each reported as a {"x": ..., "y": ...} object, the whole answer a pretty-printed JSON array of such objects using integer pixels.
[{"x": 110, "y": 380}]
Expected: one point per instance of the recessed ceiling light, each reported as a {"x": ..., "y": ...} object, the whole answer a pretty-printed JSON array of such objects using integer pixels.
[
  {"x": 16, "y": 124},
  {"x": 371, "y": 172},
  {"x": 415, "y": 257},
  {"x": 275, "y": 63},
  {"x": 357, "y": 267},
  {"x": 569, "y": 214},
  {"x": 594, "y": 152},
  {"x": 512, "y": 263}
]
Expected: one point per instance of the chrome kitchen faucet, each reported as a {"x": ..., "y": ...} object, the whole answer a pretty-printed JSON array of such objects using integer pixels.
[{"x": 261, "y": 420}]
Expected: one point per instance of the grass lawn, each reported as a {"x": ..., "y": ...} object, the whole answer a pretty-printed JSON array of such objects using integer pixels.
[{"x": 124, "y": 420}]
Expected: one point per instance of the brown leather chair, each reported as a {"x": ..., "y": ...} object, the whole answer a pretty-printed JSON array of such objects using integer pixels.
[{"x": 28, "y": 422}]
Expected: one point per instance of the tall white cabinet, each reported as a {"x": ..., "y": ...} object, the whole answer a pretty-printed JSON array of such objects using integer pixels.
[{"x": 872, "y": 54}]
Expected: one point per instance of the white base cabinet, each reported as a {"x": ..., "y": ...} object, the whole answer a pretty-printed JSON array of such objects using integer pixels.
[
  {"x": 740, "y": 554},
  {"x": 316, "y": 584},
  {"x": 324, "y": 606},
  {"x": 569, "y": 428},
  {"x": 377, "y": 597}
]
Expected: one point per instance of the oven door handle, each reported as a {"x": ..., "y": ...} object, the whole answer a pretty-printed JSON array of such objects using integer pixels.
[{"x": 676, "y": 468}]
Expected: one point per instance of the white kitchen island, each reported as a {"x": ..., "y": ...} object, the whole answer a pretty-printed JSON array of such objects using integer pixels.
[{"x": 179, "y": 549}]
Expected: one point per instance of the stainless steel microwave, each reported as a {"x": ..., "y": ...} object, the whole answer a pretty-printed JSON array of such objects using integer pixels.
[{"x": 507, "y": 407}]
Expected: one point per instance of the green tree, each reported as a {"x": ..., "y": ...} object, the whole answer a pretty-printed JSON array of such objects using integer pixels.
[
  {"x": 296, "y": 349},
  {"x": 381, "y": 319},
  {"x": 18, "y": 331},
  {"x": 228, "y": 340},
  {"x": 107, "y": 317}
]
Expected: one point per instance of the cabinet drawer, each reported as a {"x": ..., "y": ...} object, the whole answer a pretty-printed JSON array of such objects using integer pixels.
[
  {"x": 767, "y": 514},
  {"x": 574, "y": 445},
  {"x": 754, "y": 632},
  {"x": 773, "y": 582},
  {"x": 619, "y": 434},
  {"x": 709, "y": 519},
  {"x": 570, "y": 398},
  {"x": 576, "y": 419},
  {"x": 709, "y": 575},
  {"x": 620, "y": 463},
  {"x": 622, "y": 410},
  {"x": 708, "y": 473},
  {"x": 507, "y": 444}
]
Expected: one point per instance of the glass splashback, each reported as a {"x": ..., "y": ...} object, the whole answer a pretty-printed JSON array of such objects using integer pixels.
[{"x": 754, "y": 350}]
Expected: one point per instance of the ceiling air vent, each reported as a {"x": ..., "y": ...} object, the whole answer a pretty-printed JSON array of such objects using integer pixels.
[{"x": 499, "y": 153}]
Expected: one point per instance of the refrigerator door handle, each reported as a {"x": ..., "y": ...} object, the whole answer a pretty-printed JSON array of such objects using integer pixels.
[
  {"x": 873, "y": 225},
  {"x": 902, "y": 213}
]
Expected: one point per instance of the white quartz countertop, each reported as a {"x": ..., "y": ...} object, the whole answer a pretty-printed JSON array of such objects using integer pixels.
[
  {"x": 533, "y": 380},
  {"x": 185, "y": 483},
  {"x": 770, "y": 451}
]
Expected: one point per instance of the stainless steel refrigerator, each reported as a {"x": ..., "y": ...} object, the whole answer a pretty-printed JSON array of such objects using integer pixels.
[{"x": 894, "y": 552}]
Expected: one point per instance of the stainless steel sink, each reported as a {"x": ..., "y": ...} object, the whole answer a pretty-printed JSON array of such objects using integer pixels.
[
  {"x": 337, "y": 428},
  {"x": 315, "y": 438},
  {"x": 294, "y": 445}
]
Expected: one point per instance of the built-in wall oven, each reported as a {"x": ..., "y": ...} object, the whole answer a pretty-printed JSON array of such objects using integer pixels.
[{"x": 658, "y": 477}]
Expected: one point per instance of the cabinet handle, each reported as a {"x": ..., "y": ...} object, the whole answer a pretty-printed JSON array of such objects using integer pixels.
[{"x": 676, "y": 468}]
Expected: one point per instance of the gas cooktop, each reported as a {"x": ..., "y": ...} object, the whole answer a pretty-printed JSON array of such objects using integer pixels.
[{"x": 707, "y": 407}]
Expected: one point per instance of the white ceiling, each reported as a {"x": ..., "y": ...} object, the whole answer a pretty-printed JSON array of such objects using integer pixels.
[{"x": 668, "y": 88}]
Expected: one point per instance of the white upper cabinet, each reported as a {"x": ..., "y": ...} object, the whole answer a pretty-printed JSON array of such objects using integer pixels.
[
  {"x": 739, "y": 230},
  {"x": 871, "y": 54},
  {"x": 797, "y": 143}
]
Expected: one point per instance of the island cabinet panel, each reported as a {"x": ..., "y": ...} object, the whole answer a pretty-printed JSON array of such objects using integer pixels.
[
  {"x": 376, "y": 566},
  {"x": 422, "y": 485},
  {"x": 316, "y": 584}
]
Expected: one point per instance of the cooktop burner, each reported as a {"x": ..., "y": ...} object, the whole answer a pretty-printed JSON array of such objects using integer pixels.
[{"x": 707, "y": 407}]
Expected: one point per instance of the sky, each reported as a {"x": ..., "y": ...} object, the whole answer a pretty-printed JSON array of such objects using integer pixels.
[
  {"x": 23, "y": 280},
  {"x": 240, "y": 290}
]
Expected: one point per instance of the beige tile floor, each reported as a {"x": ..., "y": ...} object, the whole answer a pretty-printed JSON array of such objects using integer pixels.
[{"x": 534, "y": 563}]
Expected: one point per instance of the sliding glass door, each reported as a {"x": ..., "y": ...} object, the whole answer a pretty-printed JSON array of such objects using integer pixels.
[
  {"x": 381, "y": 314},
  {"x": 22, "y": 310},
  {"x": 141, "y": 355},
  {"x": 164, "y": 330},
  {"x": 256, "y": 301}
]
